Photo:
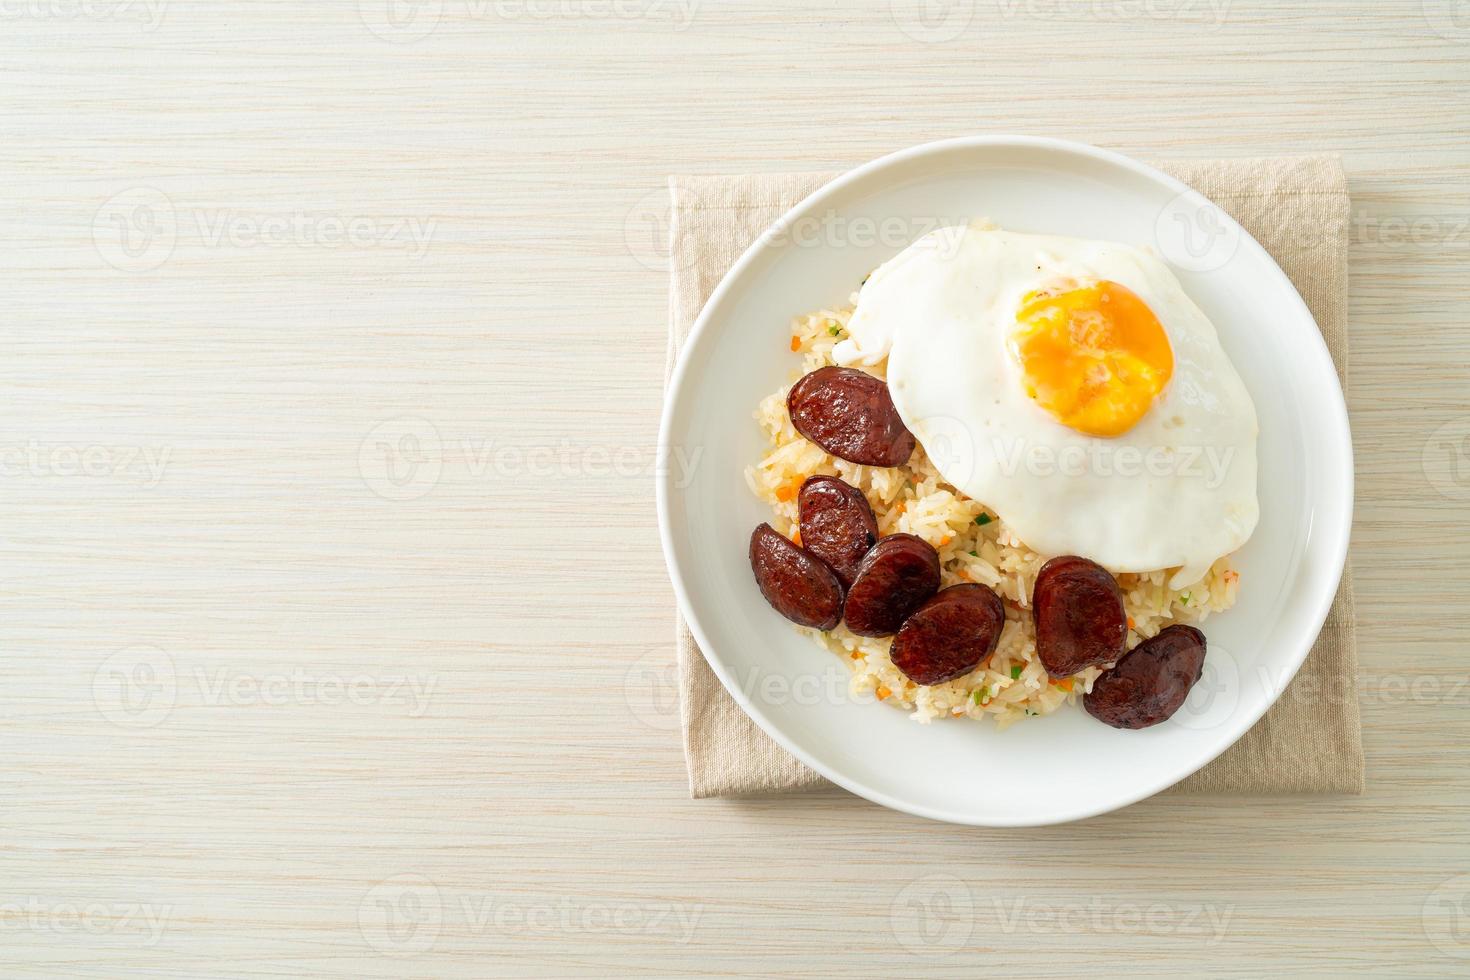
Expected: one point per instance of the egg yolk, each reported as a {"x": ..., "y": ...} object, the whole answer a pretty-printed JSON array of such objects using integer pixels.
[{"x": 1094, "y": 357}]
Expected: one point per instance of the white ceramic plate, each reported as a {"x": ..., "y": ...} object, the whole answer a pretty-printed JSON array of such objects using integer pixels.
[{"x": 1067, "y": 765}]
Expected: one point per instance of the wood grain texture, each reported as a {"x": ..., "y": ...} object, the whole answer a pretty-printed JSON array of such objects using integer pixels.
[{"x": 334, "y": 632}]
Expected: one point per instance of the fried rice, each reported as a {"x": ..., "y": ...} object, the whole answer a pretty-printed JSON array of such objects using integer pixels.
[{"x": 974, "y": 545}]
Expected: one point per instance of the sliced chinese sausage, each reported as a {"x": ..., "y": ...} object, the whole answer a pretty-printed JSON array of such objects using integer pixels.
[
  {"x": 1079, "y": 615},
  {"x": 1149, "y": 684},
  {"x": 894, "y": 579},
  {"x": 850, "y": 414},
  {"x": 837, "y": 525},
  {"x": 796, "y": 584},
  {"x": 950, "y": 635}
]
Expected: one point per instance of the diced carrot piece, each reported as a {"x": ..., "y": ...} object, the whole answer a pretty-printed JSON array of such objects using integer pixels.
[
  {"x": 795, "y": 343},
  {"x": 883, "y": 693},
  {"x": 787, "y": 492},
  {"x": 1065, "y": 683}
]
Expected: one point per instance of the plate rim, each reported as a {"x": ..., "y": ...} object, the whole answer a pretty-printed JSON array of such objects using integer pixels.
[{"x": 1333, "y": 395}]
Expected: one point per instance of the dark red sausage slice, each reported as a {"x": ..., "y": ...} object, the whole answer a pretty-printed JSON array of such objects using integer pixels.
[
  {"x": 1151, "y": 682},
  {"x": 797, "y": 585},
  {"x": 837, "y": 525},
  {"x": 895, "y": 578},
  {"x": 849, "y": 413},
  {"x": 950, "y": 635},
  {"x": 1080, "y": 621}
]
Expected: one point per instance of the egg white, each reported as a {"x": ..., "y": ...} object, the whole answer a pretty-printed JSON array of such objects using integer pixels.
[{"x": 1176, "y": 490}]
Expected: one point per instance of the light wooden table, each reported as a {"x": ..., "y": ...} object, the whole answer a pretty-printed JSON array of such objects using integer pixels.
[{"x": 334, "y": 631}]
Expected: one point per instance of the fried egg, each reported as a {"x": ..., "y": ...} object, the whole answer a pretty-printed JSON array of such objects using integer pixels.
[{"x": 1071, "y": 386}]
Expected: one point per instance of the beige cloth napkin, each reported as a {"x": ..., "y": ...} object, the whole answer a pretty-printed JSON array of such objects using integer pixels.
[{"x": 1297, "y": 208}]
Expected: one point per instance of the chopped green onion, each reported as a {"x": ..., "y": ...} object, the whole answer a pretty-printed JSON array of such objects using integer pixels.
[
  {"x": 1184, "y": 599},
  {"x": 981, "y": 696},
  {"x": 983, "y": 519},
  {"x": 1015, "y": 673},
  {"x": 973, "y": 555},
  {"x": 834, "y": 330}
]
